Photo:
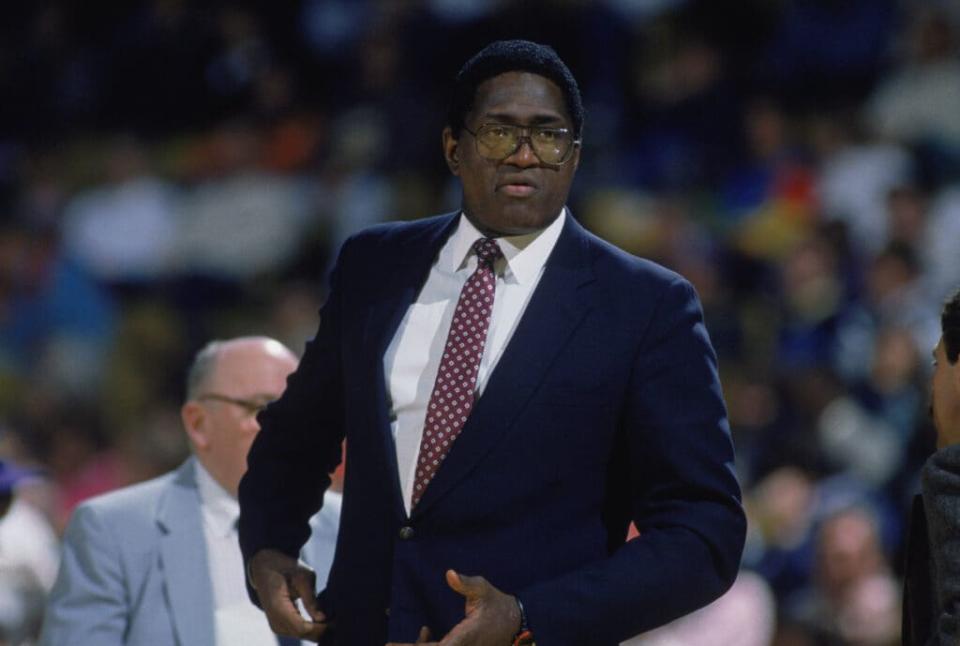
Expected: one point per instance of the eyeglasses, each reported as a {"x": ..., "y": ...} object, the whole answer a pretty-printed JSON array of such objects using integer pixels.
[
  {"x": 497, "y": 141},
  {"x": 252, "y": 406}
]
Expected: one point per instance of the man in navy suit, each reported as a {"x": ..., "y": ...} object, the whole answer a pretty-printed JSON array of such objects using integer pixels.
[{"x": 514, "y": 392}]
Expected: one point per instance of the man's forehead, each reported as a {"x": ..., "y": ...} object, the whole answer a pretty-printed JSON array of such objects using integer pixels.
[
  {"x": 508, "y": 86},
  {"x": 520, "y": 90}
]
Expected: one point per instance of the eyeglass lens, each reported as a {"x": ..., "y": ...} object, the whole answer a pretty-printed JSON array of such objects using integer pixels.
[{"x": 551, "y": 145}]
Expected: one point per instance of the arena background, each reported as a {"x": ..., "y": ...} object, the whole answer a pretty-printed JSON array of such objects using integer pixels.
[{"x": 172, "y": 172}]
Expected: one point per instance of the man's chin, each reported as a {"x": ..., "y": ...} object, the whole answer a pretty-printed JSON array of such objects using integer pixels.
[{"x": 520, "y": 218}]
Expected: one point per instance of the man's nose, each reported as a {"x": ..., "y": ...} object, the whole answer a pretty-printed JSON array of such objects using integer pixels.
[{"x": 523, "y": 156}]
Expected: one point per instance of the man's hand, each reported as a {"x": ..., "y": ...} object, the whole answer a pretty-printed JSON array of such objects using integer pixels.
[
  {"x": 279, "y": 581},
  {"x": 492, "y": 617}
]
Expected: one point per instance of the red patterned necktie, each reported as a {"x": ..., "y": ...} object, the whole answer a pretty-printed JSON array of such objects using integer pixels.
[{"x": 453, "y": 391}]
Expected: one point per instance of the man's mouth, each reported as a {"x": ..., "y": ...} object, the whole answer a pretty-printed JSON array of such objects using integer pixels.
[
  {"x": 518, "y": 190},
  {"x": 516, "y": 187}
]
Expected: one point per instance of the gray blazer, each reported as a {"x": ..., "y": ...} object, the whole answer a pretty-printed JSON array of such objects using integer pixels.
[{"x": 134, "y": 567}]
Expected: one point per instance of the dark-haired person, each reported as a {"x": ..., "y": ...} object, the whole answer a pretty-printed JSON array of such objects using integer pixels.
[
  {"x": 514, "y": 392},
  {"x": 932, "y": 579}
]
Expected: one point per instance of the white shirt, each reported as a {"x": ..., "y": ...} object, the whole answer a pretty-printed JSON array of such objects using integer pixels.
[
  {"x": 236, "y": 619},
  {"x": 412, "y": 359},
  {"x": 29, "y": 545}
]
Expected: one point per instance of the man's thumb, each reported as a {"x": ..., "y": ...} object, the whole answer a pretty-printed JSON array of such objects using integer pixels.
[{"x": 468, "y": 586}]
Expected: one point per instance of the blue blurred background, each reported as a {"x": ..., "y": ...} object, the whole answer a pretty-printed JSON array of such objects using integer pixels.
[{"x": 172, "y": 172}]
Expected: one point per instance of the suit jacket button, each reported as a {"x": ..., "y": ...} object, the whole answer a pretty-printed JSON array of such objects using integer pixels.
[
  {"x": 406, "y": 533},
  {"x": 388, "y": 612}
]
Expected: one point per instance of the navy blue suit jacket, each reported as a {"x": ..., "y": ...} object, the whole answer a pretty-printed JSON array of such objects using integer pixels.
[{"x": 605, "y": 407}]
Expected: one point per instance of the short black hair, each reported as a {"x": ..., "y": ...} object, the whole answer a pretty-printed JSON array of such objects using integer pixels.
[
  {"x": 504, "y": 56},
  {"x": 950, "y": 325}
]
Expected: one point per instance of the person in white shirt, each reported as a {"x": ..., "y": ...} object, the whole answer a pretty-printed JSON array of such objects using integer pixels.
[
  {"x": 29, "y": 557},
  {"x": 159, "y": 562}
]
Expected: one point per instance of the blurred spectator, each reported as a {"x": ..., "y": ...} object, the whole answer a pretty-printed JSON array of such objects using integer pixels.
[
  {"x": 780, "y": 512},
  {"x": 124, "y": 230},
  {"x": 358, "y": 195},
  {"x": 940, "y": 258},
  {"x": 867, "y": 430},
  {"x": 894, "y": 296},
  {"x": 82, "y": 462},
  {"x": 29, "y": 557},
  {"x": 55, "y": 322},
  {"x": 744, "y": 616},
  {"x": 769, "y": 198},
  {"x": 907, "y": 207},
  {"x": 332, "y": 27},
  {"x": 855, "y": 178},
  {"x": 920, "y": 101},
  {"x": 814, "y": 301},
  {"x": 853, "y": 598},
  {"x": 244, "y": 55},
  {"x": 246, "y": 222}
]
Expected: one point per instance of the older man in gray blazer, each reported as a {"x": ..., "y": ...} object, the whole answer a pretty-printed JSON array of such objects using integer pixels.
[{"x": 158, "y": 563}]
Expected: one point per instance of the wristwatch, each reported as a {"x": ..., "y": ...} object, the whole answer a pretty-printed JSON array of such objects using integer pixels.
[{"x": 524, "y": 636}]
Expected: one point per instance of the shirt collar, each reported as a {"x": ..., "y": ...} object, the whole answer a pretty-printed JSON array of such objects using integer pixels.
[
  {"x": 525, "y": 255},
  {"x": 220, "y": 510}
]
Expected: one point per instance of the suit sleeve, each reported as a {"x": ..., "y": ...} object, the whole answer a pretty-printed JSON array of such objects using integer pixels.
[
  {"x": 940, "y": 481},
  {"x": 290, "y": 462},
  {"x": 319, "y": 550},
  {"x": 88, "y": 605},
  {"x": 682, "y": 490}
]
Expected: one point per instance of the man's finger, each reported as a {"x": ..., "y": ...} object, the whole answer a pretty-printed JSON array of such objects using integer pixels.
[
  {"x": 290, "y": 623},
  {"x": 279, "y": 580},
  {"x": 468, "y": 586},
  {"x": 314, "y": 632},
  {"x": 424, "y": 636},
  {"x": 284, "y": 617},
  {"x": 304, "y": 588}
]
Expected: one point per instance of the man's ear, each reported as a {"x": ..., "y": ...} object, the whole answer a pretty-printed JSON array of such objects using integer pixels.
[
  {"x": 193, "y": 416},
  {"x": 576, "y": 156},
  {"x": 451, "y": 151}
]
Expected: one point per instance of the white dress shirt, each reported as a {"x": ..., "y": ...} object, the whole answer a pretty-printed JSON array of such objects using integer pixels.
[
  {"x": 412, "y": 359},
  {"x": 236, "y": 619}
]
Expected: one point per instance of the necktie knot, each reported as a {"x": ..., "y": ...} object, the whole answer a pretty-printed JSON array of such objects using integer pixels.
[{"x": 487, "y": 250}]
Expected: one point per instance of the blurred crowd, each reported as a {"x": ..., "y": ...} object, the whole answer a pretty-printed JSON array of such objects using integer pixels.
[{"x": 172, "y": 172}]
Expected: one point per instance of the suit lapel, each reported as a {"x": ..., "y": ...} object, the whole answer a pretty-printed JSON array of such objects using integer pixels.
[
  {"x": 184, "y": 558},
  {"x": 402, "y": 278},
  {"x": 557, "y": 306}
]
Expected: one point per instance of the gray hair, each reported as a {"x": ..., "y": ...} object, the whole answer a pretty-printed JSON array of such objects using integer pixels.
[{"x": 202, "y": 367}]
